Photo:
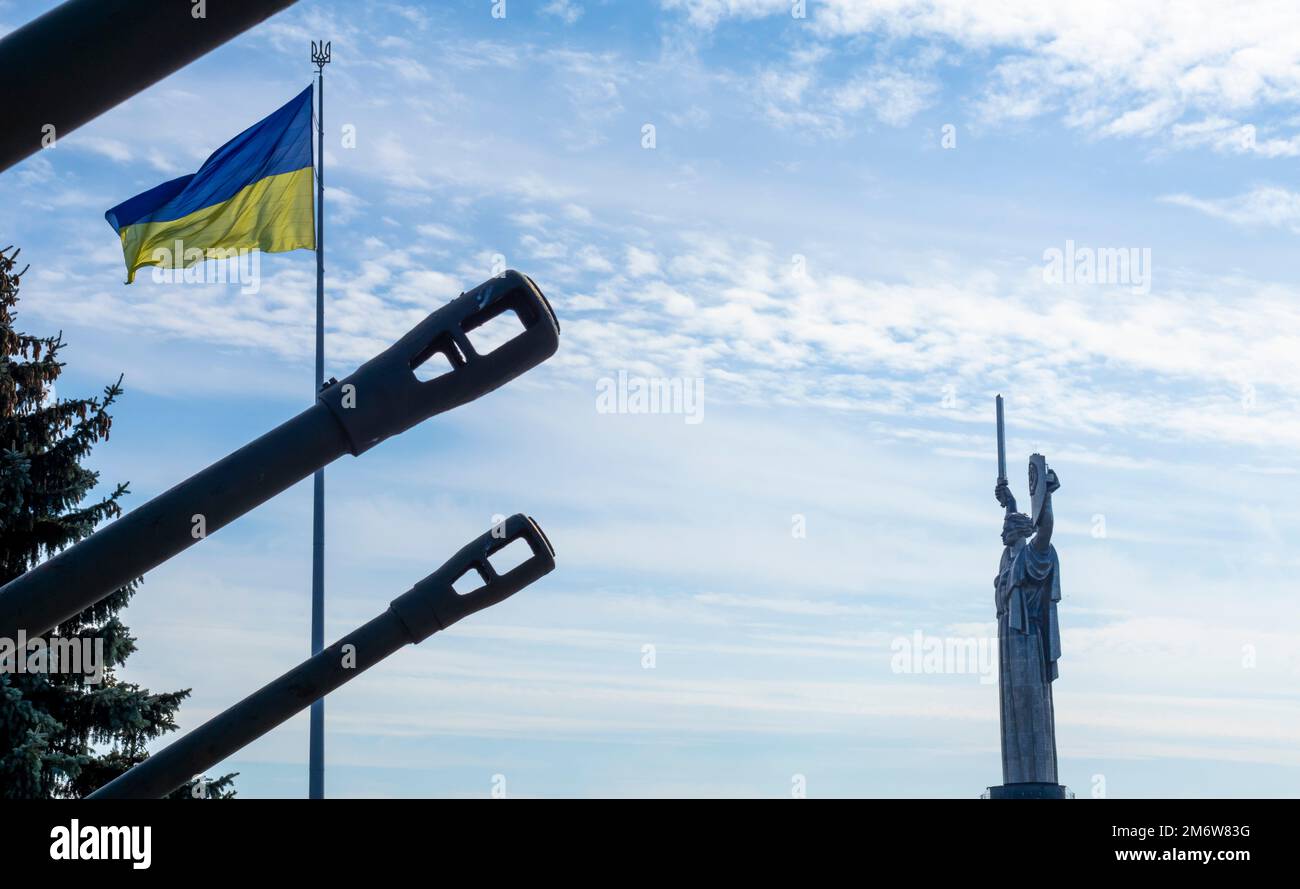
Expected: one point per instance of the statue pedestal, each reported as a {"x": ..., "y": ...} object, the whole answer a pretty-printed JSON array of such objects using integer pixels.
[{"x": 1034, "y": 790}]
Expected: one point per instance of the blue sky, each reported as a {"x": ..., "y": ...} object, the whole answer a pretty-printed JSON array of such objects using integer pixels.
[{"x": 857, "y": 394}]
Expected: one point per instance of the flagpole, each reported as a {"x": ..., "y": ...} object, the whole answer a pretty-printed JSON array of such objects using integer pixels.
[{"x": 320, "y": 56}]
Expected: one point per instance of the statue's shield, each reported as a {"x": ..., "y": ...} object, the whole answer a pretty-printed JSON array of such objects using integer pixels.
[{"x": 1037, "y": 485}]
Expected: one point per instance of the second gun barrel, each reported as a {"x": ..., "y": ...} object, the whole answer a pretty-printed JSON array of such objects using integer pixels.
[{"x": 260, "y": 712}]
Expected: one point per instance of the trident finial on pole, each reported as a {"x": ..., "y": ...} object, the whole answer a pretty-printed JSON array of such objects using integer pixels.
[{"x": 320, "y": 54}]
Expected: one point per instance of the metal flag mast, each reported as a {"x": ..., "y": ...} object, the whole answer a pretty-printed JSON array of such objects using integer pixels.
[{"x": 320, "y": 57}]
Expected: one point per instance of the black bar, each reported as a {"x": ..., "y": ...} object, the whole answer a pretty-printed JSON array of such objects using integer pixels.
[{"x": 941, "y": 839}]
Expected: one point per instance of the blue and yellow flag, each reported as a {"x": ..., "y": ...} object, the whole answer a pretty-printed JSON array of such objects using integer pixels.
[{"x": 254, "y": 192}]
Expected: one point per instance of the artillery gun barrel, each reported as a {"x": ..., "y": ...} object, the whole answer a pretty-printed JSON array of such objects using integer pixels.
[
  {"x": 382, "y": 398},
  {"x": 431, "y": 605},
  {"x": 83, "y": 57}
]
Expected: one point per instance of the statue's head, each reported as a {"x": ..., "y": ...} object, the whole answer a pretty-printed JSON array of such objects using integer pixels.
[{"x": 1017, "y": 526}]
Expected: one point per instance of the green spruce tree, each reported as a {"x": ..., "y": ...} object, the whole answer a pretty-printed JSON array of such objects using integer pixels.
[{"x": 60, "y": 735}]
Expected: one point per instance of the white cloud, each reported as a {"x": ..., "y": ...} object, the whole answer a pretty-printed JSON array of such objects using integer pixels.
[
  {"x": 112, "y": 149},
  {"x": 409, "y": 70},
  {"x": 539, "y": 249},
  {"x": 1230, "y": 137},
  {"x": 784, "y": 606},
  {"x": 342, "y": 204},
  {"x": 732, "y": 310},
  {"x": 35, "y": 170},
  {"x": 592, "y": 82},
  {"x": 1262, "y": 206},
  {"x": 162, "y": 163},
  {"x": 592, "y": 260},
  {"x": 530, "y": 219},
  {"x": 577, "y": 213},
  {"x": 436, "y": 232},
  {"x": 894, "y": 97},
  {"x": 641, "y": 263},
  {"x": 1113, "y": 67},
  {"x": 566, "y": 10}
]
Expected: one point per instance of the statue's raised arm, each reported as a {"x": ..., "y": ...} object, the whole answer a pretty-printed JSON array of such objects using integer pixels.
[{"x": 1046, "y": 522}]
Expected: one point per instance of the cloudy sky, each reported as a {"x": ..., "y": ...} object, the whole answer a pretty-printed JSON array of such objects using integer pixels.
[{"x": 844, "y": 224}]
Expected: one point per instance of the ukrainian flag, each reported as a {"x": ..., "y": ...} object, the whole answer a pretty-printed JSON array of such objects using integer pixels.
[{"x": 253, "y": 192}]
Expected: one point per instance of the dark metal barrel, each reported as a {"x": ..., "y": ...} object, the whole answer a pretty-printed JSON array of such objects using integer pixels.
[
  {"x": 382, "y": 398},
  {"x": 83, "y": 57},
  {"x": 431, "y": 605}
]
